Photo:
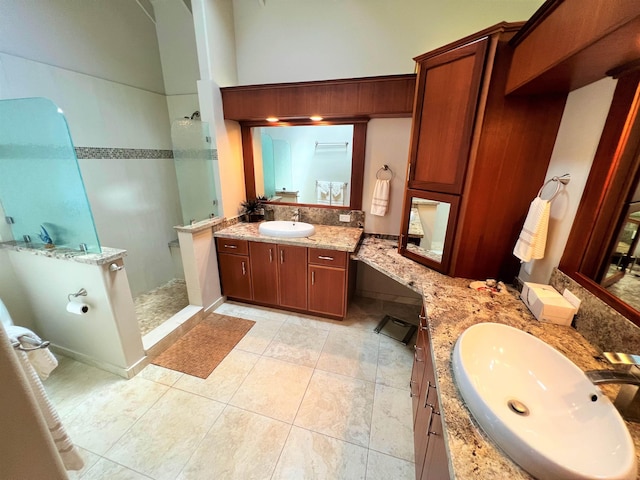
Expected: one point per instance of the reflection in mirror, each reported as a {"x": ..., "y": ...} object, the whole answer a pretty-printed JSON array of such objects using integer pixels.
[
  {"x": 427, "y": 228},
  {"x": 621, "y": 275},
  {"x": 309, "y": 164},
  {"x": 428, "y": 224}
]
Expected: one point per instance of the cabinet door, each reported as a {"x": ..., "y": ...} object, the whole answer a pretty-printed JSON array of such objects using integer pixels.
[
  {"x": 235, "y": 275},
  {"x": 436, "y": 464},
  {"x": 447, "y": 96},
  {"x": 292, "y": 270},
  {"x": 264, "y": 272},
  {"x": 327, "y": 290}
]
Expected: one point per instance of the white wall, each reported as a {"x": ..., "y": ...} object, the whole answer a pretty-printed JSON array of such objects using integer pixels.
[
  {"x": 387, "y": 144},
  {"x": 578, "y": 137},
  {"x": 293, "y": 40},
  {"x": 113, "y": 40}
]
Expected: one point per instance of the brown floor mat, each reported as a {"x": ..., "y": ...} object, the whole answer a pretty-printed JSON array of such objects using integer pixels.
[{"x": 201, "y": 350}]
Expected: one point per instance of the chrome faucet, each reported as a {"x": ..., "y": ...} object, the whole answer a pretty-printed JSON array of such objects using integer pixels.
[
  {"x": 296, "y": 215},
  {"x": 628, "y": 400}
]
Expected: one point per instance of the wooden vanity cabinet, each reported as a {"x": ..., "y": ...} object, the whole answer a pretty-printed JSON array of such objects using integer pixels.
[
  {"x": 292, "y": 276},
  {"x": 327, "y": 282},
  {"x": 263, "y": 258},
  {"x": 489, "y": 149},
  {"x": 235, "y": 270},
  {"x": 430, "y": 452}
]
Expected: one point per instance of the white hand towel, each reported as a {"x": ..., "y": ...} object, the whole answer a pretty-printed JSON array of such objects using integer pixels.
[
  {"x": 323, "y": 192},
  {"x": 42, "y": 360},
  {"x": 337, "y": 189},
  {"x": 533, "y": 237},
  {"x": 380, "y": 200}
]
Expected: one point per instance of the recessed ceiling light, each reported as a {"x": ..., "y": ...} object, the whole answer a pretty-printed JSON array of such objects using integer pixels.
[
  {"x": 272, "y": 119},
  {"x": 315, "y": 118}
]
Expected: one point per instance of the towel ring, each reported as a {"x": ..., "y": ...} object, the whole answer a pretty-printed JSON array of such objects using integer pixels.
[
  {"x": 561, "y": 180},
  {"x": 383, "y": 172}
]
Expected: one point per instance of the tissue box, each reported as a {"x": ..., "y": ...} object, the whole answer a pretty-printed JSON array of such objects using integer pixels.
[{"x": 546, "y": 304}]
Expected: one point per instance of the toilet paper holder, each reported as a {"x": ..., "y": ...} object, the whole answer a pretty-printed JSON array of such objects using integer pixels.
[{"x": 80, "y": 293}]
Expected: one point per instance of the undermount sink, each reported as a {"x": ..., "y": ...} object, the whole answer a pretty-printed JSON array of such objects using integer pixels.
[
  {"x": 280, "y": 228},
  {"x": 539, "y": 407}
]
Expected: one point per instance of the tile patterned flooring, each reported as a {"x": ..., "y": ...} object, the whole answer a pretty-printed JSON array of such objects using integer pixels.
[
  {"x": 158, "y": 305},
  {"x": 299, "y": 397}
]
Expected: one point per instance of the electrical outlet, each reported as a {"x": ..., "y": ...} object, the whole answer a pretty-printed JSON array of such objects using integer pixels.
[
  {"x": 345, "y": 217},
  {"x": 572, "y": 299}
]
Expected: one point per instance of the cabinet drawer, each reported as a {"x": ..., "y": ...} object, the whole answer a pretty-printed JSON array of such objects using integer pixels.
[
  {"x": 330, "y": 258},
  {"x": 229, "y": 245}
]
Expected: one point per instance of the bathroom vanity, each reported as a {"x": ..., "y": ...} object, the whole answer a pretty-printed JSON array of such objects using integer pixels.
[
  {"x": 448, "y": 441},
  {"x": 309, "y": 274}
]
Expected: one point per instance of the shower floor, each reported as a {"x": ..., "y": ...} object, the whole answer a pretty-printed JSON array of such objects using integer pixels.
[{"x": 158, "y": 305}]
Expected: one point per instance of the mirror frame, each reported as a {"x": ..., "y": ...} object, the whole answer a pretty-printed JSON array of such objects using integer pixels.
[
  {"x": 454, "y": 202},
  {"x": 611, "y": 184},
  {"x": 357, "y": 157}
]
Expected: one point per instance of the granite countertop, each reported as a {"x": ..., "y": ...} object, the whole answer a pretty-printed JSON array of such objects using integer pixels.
[
  {"x": 452, "y": 307},
  {"x": 199, "y": 226},
  {"x": 108, "y": 254},
  {"x": 345, "y": 239}
]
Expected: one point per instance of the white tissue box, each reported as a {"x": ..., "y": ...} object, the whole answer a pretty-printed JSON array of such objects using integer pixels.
[{"x": 546, "y": 304}]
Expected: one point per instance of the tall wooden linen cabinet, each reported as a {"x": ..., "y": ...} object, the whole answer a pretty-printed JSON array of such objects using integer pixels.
[{"x": 483, "y": 153}]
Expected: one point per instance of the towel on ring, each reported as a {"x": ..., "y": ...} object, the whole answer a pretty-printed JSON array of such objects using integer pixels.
[
  {"x": 380, "y": 200},
  {"x": 533, "y": 237},
  {"x": 42, "y": 360}
]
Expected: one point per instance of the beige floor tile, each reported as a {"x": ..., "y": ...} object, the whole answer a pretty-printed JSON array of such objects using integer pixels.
[
  {"x": 392, "y": 423},
  {"x": 297, "y": 344},
  {"x": 225, "y": 379},
  {"x": 106, "y": 469},
  {"x": 273, "y": 388},
  {"x": 352, "y": 354},
  {"x": 338, "y": 406},
  {"x": 259, "y": 337},
  {"x": 89, "y": 458},
  {"x": 164, "y": 438},
  {"x": 313, "y": 455},
  {"x": 386, "y": 467},
  {"x": 161, "y": 375},
  {"x": 394, "y": 363},
  {"x": 102, "y": 419},
  {"x": 73, "y": 382},
  {"x": 311, "y": 321},
  {"x": 240, "y": 445}
]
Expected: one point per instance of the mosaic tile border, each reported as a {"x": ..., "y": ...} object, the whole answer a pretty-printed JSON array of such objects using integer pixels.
[{"x": 121, "y": 153}]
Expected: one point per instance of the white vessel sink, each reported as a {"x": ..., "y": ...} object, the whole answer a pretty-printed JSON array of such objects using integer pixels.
[
  {"x": 286, "y": 229},
  {"x": 539, "y": 407}
]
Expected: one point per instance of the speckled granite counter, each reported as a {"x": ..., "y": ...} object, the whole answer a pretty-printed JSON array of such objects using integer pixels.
[
  {"x": 345, "y": 239},
  {"x": 108, "y": 255},
  {"x": 452, "y": 307}
]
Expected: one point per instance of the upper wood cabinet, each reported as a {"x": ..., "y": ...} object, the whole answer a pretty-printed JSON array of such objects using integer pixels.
[
  {"x": 448, "y": 88},
  {"x": 570, "y": 43},
  {"x": 488, "y": 152}
]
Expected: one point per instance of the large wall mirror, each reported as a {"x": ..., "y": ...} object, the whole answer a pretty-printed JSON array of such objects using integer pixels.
[
  {"x": 602, "y": 252},
  {"x": 313, "y": 164}
]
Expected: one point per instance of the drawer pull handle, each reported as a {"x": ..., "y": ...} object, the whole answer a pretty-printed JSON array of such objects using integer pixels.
[
  {"x": 313, "y": 278},
  {"x": 411, "y": 394},
  {"x": 270, "y": 255},
  {"x": 230, "y": 246},
  {"x": 281, "y": 256},
  {"x": 244, "y": 269},
  {"x": 415, "y": 353},
  {"x": 322, "y": 257}
]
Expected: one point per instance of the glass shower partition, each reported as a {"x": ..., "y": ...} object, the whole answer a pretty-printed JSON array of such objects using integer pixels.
[
  {"x": 41, "y": 189},
  {"x": 193, "y": 156}
]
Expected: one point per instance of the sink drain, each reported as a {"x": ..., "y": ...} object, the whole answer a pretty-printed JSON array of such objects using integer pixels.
[{"x": 518, "y": 407}]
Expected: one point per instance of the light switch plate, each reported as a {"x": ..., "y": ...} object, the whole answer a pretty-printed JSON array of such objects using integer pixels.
[
  {"x": 345, "y": 217},
  {"x": 572, "y": 299}
]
